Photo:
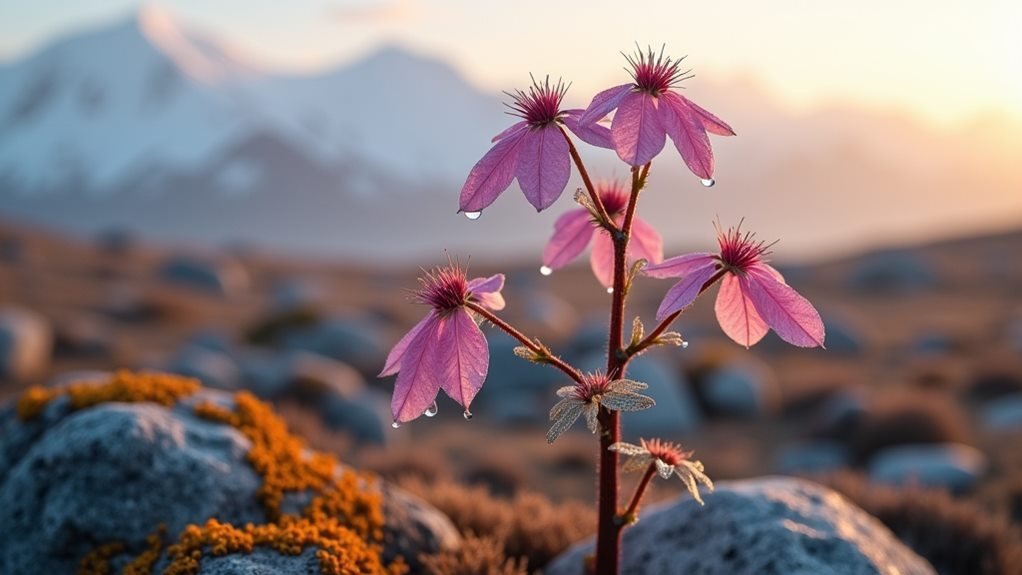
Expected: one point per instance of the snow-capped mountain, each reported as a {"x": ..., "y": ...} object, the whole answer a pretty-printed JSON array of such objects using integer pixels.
[
  {"x": 149, "y": 96},
  {"x": 150, "y": 125}
]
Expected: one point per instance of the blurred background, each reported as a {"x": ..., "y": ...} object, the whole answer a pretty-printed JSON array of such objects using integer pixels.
[{"x": 241, "y": 191}]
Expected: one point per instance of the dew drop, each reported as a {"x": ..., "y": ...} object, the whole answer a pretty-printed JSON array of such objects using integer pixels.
[
  {"x": 467, "y": 415},
  {"x": 475, "y": 215},
  {"x": 610, "y": 290},
  {"x": 684, "y": 344},
  {"x": 395, "y": 425},
  {"x": 431, "y": 410},
  {"x": 708, "y": 182},
  {"x": 545, "y": 270}
]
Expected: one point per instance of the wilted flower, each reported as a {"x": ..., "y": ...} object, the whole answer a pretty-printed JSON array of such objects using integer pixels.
[
  {"x": 753, "y": 297},
  {"x": 574, "y": 229},
  {"x": 533, "y": 150},
  {"x": 648, "y": 110},
  {"x": 586, "y": 398},
  {"x": 446, "y": 350},
  {"x": 669, "y": 460}
]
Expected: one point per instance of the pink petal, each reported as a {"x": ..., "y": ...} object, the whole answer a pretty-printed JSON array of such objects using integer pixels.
[
  {"x": 688, "y": 134},
  {"x": 543, "y": 166},
  {"x": 645, "y": 242},
  {"x": 636, "y": 129},
  {"x": 462, "y": 358},
  {"x": 679, "y": 266},
  {"x": 683, "y": 293},
  {"x": 736, "y": 313},
  {"x": 572, "y": 232},
  {"x": 486, "y": 291},
  {"x": 515, "y": 128},
  {"x": 603, "y": 103},
  {"x": 417, "y": 383},
  {"x": 794, "y": 319},
  {"x": 492, "y": 174},
  {"x": 593, "y": 134},
  {"x": 393, "y": 363},
  {"x": 602, "y": 257},
  {"x": 711, "y": 123},
  {"x": 771, "y": 270}
]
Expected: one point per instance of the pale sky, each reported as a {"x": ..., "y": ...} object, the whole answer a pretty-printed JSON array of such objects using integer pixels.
[{"x": 947, "y": 61}]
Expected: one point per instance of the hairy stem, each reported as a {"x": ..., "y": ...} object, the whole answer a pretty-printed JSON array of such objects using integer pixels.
[
  {"x": 532, "y": 345},
  {"x": 601, "y": 210},
  {"x": 629, "y": 515},
  {"x": 608, "y": 535}
]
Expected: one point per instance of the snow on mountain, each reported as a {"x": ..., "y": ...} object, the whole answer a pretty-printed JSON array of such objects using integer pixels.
[{"x": 149, "y": 95}]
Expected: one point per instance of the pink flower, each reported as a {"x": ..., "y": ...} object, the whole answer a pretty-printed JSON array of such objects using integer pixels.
[
  {"x": 575, "y": 228},
  {"x": 446, "y": 350},
  {"x": 753, "y": 297},
  {"x": 648, "y": 110},
  {"x": 534, "y": 150}
]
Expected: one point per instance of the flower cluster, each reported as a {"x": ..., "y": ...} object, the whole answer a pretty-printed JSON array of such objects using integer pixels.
[
  {"x": 667, "y": 459},
  {"x": 588, "y": 396}
]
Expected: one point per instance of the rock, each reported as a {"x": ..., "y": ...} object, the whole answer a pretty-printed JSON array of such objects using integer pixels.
[
  {"x": 762, "y": 526},
  {"x": 365, "y": 417},
  {"x": 71, "y": 480},
  {"x": 842, "y": 412},
  {"x": 952, "y": 466},
  {"x": 892, "y": 271},
  {"x": 745, "y": 389},
  {"x": 83, "y": 335},
  {"x": 212, "y": 368},
  {"x": 26, "y": 344},
  {"x": 295, "y": 294},
  {"x": 675, "y": 413},
  {"x": 933, "y": 344},
  {"x": 812, "y": 457},
  {"x": 211, "y": 275},
  {"x": 211, "y": 339},
  {"x": 1004, "y": 414},
  {"x": 357, "y": 342},
  {"x": 516, "y": 391}
]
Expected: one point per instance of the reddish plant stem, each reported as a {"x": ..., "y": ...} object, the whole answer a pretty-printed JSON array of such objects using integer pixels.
[
  {"x": 666, "y": 323},
  {"x": 601, "y": 210},
  {"x": 608, "y": 535},
  {"x": 640, "y": 490},
  {"x": 510, "y": 330}
]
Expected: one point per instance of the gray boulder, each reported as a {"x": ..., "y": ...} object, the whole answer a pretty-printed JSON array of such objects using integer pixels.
[
  {"x": 812, "y": 457},
  {"x": 747, "y": 389},
  {"x": 952, "y": 466},
  {"x": 72, "y": 480},
  {"x": 213, "y": 368},
  {"x": 516, "y": 391},
  {"x": 356, "y": 341},
  {"x": 212, "y": 275},
  {"x": 765, "y": 526},
  {"x": 1004, "y": 413},
  {"x": 26, "y": 344}
]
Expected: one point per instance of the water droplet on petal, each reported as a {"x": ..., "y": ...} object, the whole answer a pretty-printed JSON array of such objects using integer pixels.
[
  {"x": 431, "y": 410},
  {"x": 545, "y": 270},
  {"x": 610, "y": 290},
  {"x": 395, "y": 425},
  {"x": 467, "y": 415},
  {"x": 708, "y": 182},
  {"x": 475, "y": 215},
  {"x": 684, "y": 344}
]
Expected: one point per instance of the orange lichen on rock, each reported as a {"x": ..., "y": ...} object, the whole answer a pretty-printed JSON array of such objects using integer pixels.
[
  {"x": 343, "y": 520},
  {"x": 123, "y": 386},
  {"x": 97, "y": 562}
]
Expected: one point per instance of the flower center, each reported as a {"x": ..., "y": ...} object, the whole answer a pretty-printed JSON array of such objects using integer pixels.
[
  {"x": 443, "y": 288},
  {"x": 738, "y": 250},
  {"x": 592, "y": 386},
  {"x": 669, "y": 453},
  {"x": 614, "y": 196},
  {"x": 655, "y": 73},
  {"x": 541, "y": 105}
]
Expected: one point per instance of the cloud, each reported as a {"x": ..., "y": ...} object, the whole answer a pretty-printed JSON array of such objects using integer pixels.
[{"x": 376, "y": 12}]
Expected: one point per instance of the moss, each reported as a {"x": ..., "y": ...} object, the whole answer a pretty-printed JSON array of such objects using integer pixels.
[
  {"x": 343, "y": 520},
  {"x": 123, "y": 386}
]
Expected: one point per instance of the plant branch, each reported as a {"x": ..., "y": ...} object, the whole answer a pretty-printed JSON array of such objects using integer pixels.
[
  {"x": 536, "y": 348},
  {"x": 666, "y": 323},
  {"x": 629, "y": 515},
  {"x": 601, "y": 210}
]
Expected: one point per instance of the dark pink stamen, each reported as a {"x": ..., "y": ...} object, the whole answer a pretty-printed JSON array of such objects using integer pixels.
[
  {"x": 739, "y": 250},
  {"x": 614, "y": 196},
  {"x": 444, "y": 288},
  {"x": 541, "y": 105},
  {"x": 655, "y": 73},
  {"x": 669, "y": 453},
  {"x": 592, "y": 385}
]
